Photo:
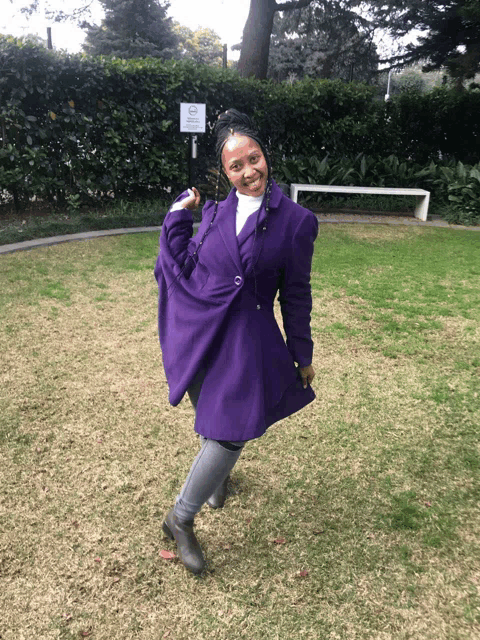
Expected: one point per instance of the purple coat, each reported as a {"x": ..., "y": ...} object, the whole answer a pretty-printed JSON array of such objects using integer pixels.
[{"x": 208, "y": 317}]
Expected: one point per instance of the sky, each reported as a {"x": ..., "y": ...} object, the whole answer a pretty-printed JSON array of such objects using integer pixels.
[{"x": 226, "y": 17}]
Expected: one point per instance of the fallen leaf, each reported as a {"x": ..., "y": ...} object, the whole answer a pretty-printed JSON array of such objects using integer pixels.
[
  {"x": 317, "y": 532},
  {"x": 167, "y": 555},
  {"x": 279, "y": 541}
]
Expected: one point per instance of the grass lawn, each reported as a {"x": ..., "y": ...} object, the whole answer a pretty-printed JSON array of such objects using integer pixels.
[{"x": 357, "y": 518}]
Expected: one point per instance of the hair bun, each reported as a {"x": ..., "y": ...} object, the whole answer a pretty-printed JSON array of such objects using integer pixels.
[
  {"x": 233, "y": 118},
  {"x": 233, "y": 121}
]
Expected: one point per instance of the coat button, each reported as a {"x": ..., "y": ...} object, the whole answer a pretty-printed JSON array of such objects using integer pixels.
[{"x": 238, "y": 280}]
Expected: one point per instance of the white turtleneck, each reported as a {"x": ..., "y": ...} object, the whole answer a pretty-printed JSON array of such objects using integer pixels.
[{"x": 246, "y": 206}]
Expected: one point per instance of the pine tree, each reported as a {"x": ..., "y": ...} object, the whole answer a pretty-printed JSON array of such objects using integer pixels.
[
  {"x": 132, "y": 29},
  {"x": 323, "y": 40},
  {"x": 451, "y": 37}
]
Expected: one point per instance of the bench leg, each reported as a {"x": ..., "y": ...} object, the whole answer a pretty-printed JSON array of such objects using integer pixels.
[{"x": 421, "y": 210}]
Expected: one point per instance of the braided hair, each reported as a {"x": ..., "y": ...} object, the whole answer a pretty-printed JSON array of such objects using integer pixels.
[
  {"x": 234, "y": 123},
  {"x": 229, "y": 124}
]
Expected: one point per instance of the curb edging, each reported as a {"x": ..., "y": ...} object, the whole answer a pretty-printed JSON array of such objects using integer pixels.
[{"x": 87, "y": 235}]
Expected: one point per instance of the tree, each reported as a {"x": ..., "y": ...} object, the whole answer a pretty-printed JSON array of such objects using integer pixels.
[
  {"x": 33, "y": 38},
  {"x": 256, "y": 35},
  {"x": 132, "y": 29},
  {"x": 414, "y": 79},
  {"x": 323, "y": 40},
  {"x": 77, "y": 14},
  {"x": 451, "y": 39},
  {"x": 202, "y": 45}
]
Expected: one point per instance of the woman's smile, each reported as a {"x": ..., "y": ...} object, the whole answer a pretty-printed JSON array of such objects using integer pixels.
[
  {"x": 254, "y": 184},
  {"x": 245, "y": 165}
]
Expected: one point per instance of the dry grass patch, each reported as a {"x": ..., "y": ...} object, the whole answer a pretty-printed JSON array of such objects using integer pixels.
[{"x": 356, "y": 518}]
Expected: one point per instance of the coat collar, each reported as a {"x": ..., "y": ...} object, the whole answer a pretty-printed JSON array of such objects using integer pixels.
[
  {"x": 277, "y": 195},
  {"x": 226, "y": 219}
]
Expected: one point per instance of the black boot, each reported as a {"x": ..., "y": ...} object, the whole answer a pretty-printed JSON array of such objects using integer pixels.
[
  {"x": 217, "y": 499},
  {"x": 189, "y": 551}
]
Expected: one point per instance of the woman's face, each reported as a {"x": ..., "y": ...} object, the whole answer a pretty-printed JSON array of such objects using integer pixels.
[{"x": 245, "y": 165}]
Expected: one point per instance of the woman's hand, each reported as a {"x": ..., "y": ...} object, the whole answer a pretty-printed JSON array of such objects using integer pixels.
[
  {"x": 308, "y": 374},
  {"x": 193, "y": 199}
]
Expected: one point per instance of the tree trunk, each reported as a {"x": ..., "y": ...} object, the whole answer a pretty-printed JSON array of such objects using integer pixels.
[
  {"x": 256, "y": 35},
  {"x": 256, "y": 39}
]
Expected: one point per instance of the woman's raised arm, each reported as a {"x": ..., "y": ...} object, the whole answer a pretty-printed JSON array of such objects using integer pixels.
[{"x": 177, "y": 228}]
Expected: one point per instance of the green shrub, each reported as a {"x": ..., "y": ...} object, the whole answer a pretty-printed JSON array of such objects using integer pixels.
[
  {"x": 454, "y": 187},
  {"x": 463, "y": 196},
  {"x": 76, "y": 129},
  {"x": 437, "y": 125},
  {"x": 360, "y": 170}
]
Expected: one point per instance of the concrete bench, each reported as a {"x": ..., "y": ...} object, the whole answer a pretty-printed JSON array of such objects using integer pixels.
[{"x": 423, "y": 197}]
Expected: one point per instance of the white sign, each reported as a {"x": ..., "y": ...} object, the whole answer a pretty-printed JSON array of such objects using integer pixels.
[{"x": 192, "y": 117}]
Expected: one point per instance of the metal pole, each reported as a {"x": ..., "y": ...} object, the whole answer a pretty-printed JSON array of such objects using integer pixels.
[
  {"x": 192, "y": 157},
  {"x": 387, "y": 95},
  {"x": 190, "y": 163},
  {"x": 225, "y": 56},
  {"x": 49, "y": 38}
]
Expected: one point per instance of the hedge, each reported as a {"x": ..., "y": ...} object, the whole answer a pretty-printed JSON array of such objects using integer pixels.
[{"x": 73, "y": 126}]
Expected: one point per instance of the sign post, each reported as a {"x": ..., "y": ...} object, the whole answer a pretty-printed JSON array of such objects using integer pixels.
[{"x": 192, "y": 121}]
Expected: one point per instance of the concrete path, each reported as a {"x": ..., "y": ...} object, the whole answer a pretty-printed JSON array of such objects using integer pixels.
[{"x": 322, "y": 218}]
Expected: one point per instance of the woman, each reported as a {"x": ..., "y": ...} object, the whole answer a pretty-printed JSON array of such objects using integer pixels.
[{"x": 218, "y": 334}]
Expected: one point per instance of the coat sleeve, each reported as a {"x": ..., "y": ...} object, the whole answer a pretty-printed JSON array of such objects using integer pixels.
[
  {"x": 295, "y": 293},
  {"x": 177, "y": 231}
]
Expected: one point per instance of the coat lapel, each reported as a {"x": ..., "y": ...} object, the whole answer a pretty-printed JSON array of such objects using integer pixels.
[
  {"x": 275, "y": 198},
  {"x": 226, "y": 217}
]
